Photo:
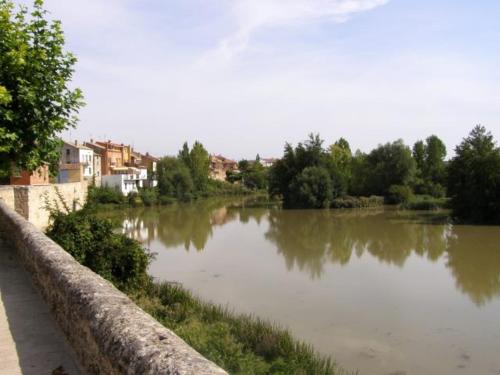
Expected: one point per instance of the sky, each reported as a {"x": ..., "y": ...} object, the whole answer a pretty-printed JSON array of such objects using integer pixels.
[{"x": 246, "y": 76}]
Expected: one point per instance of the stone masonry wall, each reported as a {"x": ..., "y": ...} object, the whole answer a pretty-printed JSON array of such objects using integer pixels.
[
  {"x": 31, "y": 201},
  {"x": 108, "y": 332},
  {"x": 7, "y": 195}
]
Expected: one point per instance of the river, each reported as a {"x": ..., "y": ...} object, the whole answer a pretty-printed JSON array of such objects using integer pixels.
[{"x": 382, "y": 291}]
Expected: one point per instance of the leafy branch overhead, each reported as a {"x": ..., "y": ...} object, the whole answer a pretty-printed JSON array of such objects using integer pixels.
[{"x": 36, "y": 100}]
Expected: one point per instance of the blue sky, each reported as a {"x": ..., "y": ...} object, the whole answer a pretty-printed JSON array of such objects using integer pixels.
[{"x": 244, "y": 76}]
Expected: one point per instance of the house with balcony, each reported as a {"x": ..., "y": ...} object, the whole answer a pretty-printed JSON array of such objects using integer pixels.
[
  {"x": 126, "y": 179},
  {"x": 76, "y": 163}
]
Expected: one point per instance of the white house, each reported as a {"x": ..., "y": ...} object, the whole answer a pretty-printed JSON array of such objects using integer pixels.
[
  {"x": 126, "y": 179},
  {"x": 74, "y": 153}
]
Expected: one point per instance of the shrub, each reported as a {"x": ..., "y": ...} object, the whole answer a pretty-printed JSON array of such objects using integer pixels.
[
  {"x": 149, "y": 196},
  {"x": 92, "y": 242},
  {"x": 358, "y": 202},
  {"x": 105, "y": 195},
  {"x": 426, "y": 203},
  {"x": 399, "y": 194},
  {"x": 312, "y": 188}
]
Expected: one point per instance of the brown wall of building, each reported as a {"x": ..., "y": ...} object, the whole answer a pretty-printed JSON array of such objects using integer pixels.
[{"x": 38, "y": 177}]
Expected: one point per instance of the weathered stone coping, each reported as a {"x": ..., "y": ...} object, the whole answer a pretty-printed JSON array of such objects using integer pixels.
[{"x": 108, "y": 332}]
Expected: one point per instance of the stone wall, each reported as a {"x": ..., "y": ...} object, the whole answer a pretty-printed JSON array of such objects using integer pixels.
[
  {"x": 7, "y": 195},
  {"x": 108, "y": 332},
  {"x": 31, "y": 201}
]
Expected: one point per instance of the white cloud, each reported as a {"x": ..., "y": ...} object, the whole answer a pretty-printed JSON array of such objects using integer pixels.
[{"x": 253, "y": 15}]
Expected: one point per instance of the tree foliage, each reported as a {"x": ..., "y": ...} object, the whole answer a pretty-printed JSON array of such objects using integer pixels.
[
  {"x": 303, "y": 176},
  {"x": 387, "y": 165},
  {"x": 252, "y": 175},
  {"x": 474, "y": 178},
  {"x": 198, "y": 162},
  {"x": 93, "y": 243},
  {"x": 431, "y": 166},
  {"x": 174, "y": 178},
  {"x": 341, "y": 165},
  {"x": 36, "y": 101}
]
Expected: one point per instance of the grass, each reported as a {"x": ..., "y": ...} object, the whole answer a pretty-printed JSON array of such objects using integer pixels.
[{"x": 241, "y": 344}]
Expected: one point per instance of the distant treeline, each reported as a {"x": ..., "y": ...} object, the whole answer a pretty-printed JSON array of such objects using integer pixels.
[{"x": 313, "y": 176}]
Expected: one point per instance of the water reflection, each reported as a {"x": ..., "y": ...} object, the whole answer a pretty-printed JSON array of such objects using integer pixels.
[{"x": 311, "y": 240}]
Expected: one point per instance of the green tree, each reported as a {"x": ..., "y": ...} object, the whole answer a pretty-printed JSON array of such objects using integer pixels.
[
  {"x": 419, "y": 156},
  {"x": 174, "y": 178},
  {"x": 387, "y": 165},
  {"x": 431, "y": 166},
  {"x": 435, "y": 154},
  {"x": 312, "y": 188},
  {"x": 252, "y": 175},
  {"x": 474, "y": 178},
  {"x": 303, "y": 176},
  {"x": 198, "y": 162},
  {"x": 36, "y": 102},
  {"x": 199, "y": 166},
  {"x": 341, "y": 165}
]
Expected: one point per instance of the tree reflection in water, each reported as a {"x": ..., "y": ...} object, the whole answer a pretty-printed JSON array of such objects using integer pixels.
[{"x": 311, "y": 239}]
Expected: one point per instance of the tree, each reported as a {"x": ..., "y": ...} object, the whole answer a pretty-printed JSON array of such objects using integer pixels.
[
  {"x": 312, "y": 188},
  {"x": 198, "y": 162},
  {"x": 36, "y": 102},
  {"x": 431, "y": 166},
  {"x": 387, "y": 165},
  {"x": 341, "y": 165},
  {"x": 303, "y": 176},
  {"x": 199, "y": 166},
  {"x": 174, "y": 179},
  {"x": 474, "y": 178}
]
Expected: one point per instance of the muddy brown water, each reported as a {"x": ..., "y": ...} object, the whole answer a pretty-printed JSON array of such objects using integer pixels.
[{"x": 382, "y": 291}]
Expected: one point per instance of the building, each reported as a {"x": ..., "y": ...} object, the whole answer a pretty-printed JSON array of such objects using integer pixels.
[
  {"x": 126, "y": 179},
  {"x": 76, "y": 163},
  {"x": 220, "y": 165},
  {"x": 120, "y": 159},
  {"x": 150, "y": 163},
  {"x": 97, "y": 169},
  {"x": 70, "y": 173},
  {"x": 38, "y": 177},
  {"x": 113, "y": 155},
  {"x": 268, "y": 162}
]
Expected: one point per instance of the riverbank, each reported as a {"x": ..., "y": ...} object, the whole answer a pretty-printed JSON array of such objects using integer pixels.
[
  {"x": 240, "y": 344},
  {"x": 107, "y": 197}
]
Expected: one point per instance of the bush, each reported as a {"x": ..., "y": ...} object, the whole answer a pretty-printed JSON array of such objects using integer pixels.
[
  {"x": 312, "y": 188},
  {"x": 174, "y": 179},
  {"x": 426, "y": 203},
  {"x": 358, "y": 202},
  {"x": 92, "y": 242},
  {"x": 399, "y": 194},
  {"x": 433, "y": 189},
  {"x": 219, "y": 188},
  {"x": 149, "y": 196},
  {"x": 105, "y": 195}
]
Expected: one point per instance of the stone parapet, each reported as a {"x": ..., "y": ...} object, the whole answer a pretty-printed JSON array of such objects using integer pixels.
[
  {"x": 108, "y": 332},
  {"x": 31, "y": 201}
]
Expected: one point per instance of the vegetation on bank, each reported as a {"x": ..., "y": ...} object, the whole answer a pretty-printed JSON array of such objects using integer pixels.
[
  {"x": 240, "y": 344},
  {"x": 312, "y": 176},
  {"x": 474, "y": 179}
]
